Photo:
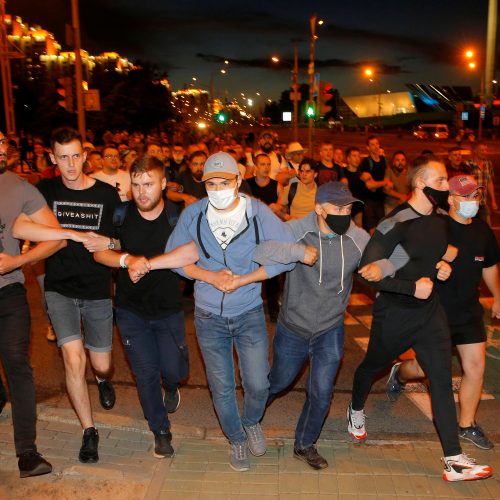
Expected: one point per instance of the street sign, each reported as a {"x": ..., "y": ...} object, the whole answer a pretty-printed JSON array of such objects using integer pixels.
[
  {"x": 295, "y": 96},
  {"x": 287, "y": 116},
  {"x": 92, "y": 100}
]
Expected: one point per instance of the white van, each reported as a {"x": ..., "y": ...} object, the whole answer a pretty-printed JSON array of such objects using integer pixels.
[{"x": 432, "y": 131}]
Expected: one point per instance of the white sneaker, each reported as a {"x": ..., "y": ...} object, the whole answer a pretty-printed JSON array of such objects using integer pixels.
[
  {"x": 356, "y": 423},
  {"x": 463, "y": 468}
]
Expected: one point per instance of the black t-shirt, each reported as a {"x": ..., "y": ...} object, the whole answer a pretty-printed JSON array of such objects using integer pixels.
[
  {"x": 327, "y": 174},
  {"x": 357, "y": 188},
  {"x": 268, "y": 194},
  {"x": 157, "y": 294},
  {"x": 72, "y": 271},
  {"x": 190, "y": 186},
  {"x": 377, "y": 170},
  {"x": 477, "y": 249}
]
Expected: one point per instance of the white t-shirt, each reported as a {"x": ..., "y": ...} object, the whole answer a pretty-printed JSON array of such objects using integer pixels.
[
  {"x": 120, "y": 180},
  {"x": 224, "y": 225}
]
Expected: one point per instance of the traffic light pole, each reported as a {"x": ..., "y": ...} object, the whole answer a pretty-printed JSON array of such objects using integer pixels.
[
  {"x": 311, "y": 80},
  {"x": 295, "y": 87},
  {"x": 80, "y": 109}
]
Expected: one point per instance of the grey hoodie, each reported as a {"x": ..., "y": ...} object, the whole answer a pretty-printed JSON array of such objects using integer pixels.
[{"x": 315, "y": 297}]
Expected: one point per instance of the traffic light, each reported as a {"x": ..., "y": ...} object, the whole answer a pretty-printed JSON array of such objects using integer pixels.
[
  {"x": 310, "y": 110},
  {"x": 65, "y": 90},
  {"x": 221, "y": 117}
]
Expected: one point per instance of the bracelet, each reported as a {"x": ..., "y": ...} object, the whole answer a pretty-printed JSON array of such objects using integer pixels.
[{"x": 122, "y": 260}]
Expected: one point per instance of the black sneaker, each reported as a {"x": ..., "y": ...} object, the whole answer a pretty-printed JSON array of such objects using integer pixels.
[
  {"x": 31, "y": 463},
  {"x": 394, "y": 385},
  {"x": 90, "y": 441},
  {"x": 476, "y": 436},
  {"x": 163, "y": 444},
  {"x": 171, "y": 400},
  {"x": 107, "y": 396},
  {"x": 311, "y": 457}
]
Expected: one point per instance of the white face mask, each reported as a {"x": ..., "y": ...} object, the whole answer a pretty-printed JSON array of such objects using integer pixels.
[
  {"x": 468, "y": 209},
  {"x": 222, "y": 199}
]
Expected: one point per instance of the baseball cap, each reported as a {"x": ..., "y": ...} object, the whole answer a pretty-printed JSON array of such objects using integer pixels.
[
  {"x": 336, "y": 193},
  {"x": 294, "y": 147},
  {"x": 220, "y": 165},
  {"x": 463, "y": 185}
]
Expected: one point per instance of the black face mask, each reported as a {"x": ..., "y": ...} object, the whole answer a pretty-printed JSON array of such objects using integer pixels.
[
  {"x": 339, "y": 224},
  {"x": 436, "y": 197}
]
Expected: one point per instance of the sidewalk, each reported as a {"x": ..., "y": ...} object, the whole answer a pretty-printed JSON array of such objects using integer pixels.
[{"x": 393, "y": 466}]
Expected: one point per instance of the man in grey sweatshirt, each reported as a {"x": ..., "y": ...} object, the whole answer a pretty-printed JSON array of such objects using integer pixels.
[{"x": 311, "y": 320}]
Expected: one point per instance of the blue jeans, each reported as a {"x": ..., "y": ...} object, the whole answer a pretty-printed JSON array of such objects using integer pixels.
[
  {"x": 290, "y": 352},
  {"x": 248, "y": 334},
  {"x": 155, "y": 349}
]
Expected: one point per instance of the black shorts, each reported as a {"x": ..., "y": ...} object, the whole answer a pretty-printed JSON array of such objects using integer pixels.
[{"x": 471, "y": 333}]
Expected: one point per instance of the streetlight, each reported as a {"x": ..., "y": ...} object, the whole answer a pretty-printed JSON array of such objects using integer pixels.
[
  {"x": 295, "y": 90},
  {"x": 470, "y": 56},
  {"x": 370, "y": 74}
]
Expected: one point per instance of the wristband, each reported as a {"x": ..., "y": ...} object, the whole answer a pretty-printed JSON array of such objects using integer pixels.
[{"x": 122, "y": 260}]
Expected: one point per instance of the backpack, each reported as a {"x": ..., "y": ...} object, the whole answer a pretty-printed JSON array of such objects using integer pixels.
[
  {"x": 292, "y": 192},
  {"x": 121, "y": 211}
]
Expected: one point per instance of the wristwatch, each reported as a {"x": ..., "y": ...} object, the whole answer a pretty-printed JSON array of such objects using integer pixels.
[{"x": 111, "y": 245}]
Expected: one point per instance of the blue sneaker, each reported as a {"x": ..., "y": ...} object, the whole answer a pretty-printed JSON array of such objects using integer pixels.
[
  {"x": 394, "y": 386},
  {"x": 476, "y": 436}
]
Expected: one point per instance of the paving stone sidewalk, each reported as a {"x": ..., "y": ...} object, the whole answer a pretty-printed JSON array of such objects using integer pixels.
[{"x": 200, "y": 470}]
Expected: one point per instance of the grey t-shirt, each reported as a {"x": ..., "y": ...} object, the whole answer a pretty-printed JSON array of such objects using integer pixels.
[{"x": 16, "y": 196}]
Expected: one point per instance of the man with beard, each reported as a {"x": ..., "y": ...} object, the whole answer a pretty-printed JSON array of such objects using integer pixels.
[
  {"x": 190, "y": 179},
  {"x": 266, "y": 145},
  {"x": 396, "y": 192},
  {"x": 408, "y": 314},
  {"x": 18, "y": 197},
  {"x": 149, "y": 312}
]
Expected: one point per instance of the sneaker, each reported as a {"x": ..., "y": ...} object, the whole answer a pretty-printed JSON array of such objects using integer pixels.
[
  {"x": 171, "y": 400},
  {"x": 256, "y": 440},
  {"x": 394, "y": 385},
  {"x": 163, "y": 444},
  {"x": 356, "y": 423},
  {"x": 476, "y": 436},
  {"x": 31, "y": 463},
  {"x": 90, "y": 441},
  {"x": 51, "y": 335},
  {"x": 238, "y": 457},
  {"x": 107, "y": 396},
  {"x": 311, "y": 457},
  {"x": 463, "y": 468}
]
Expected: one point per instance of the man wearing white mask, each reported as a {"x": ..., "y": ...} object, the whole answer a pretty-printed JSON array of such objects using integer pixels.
[
  {"x": 226, "y": 227},
  {"x": 478, "y": 256}
]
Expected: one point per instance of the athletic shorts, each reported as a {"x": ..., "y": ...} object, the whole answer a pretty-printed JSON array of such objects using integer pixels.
[
  {"x": 67, "y": 315},
  {"x": 472, "y": 333}
]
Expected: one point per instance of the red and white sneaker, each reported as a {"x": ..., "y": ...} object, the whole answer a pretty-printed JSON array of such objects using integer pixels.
[
  {"x": 356, "y": 423},
  {"x": 463, "y": 468}
]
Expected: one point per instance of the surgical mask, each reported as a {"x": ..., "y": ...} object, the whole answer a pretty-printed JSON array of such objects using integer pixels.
[
  {"x": 222, "y": 199},
  {"x": 339, "y": 224},
  {"x": 436, "y": 197},
  {"x": 468, "y": 209}
]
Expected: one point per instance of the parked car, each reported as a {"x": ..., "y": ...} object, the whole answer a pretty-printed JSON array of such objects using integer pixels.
[{"x": 432, "y": 131}]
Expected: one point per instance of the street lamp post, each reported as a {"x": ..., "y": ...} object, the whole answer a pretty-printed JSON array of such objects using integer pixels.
[
  {"x": 469, "y": 55},
  {"x": 80, "y": 109},
  {"x": 370, "y": 74},
  {"x": 310, "y": 71},
  {"x": 295, "y": 90}
]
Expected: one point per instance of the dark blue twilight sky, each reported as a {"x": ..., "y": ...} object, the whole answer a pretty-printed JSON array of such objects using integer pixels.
[{"x": 407, "y": 40}]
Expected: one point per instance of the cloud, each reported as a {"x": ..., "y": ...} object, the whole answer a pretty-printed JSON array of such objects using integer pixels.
[{"x": 381, "y": 67}]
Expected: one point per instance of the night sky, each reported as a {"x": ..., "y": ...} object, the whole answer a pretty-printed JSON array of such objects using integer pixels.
[{"x": 407, "y": 40}]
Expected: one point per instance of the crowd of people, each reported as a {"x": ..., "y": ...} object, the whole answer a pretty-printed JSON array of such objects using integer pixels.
[{"x": 230, "y": 214}]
